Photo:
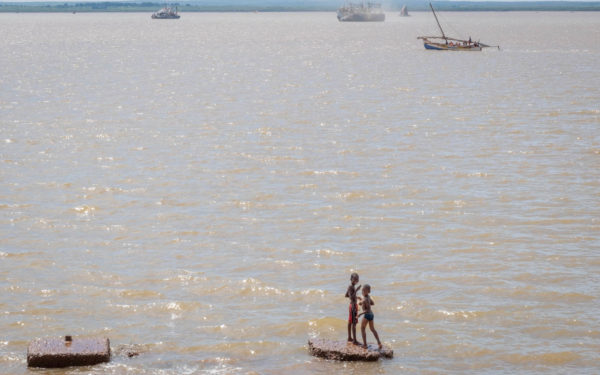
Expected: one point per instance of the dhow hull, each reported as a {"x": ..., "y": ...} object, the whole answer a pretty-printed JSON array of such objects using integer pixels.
[{"x": 444, "y": 47}]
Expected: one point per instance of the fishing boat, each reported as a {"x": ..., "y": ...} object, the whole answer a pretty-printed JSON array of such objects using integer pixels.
[
  {"x": 166, "y": 13},
  {"x": 361, "y": 12},
  {"x": 446, "y": 43}
]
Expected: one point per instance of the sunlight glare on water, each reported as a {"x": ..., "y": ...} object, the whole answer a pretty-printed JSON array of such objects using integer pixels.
[{"x": 200, "y": 190}]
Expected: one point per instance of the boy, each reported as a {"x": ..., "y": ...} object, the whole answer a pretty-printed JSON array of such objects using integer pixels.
[
  {"x": 369, "y": 316},
  {"x": 353, "y": 308}
]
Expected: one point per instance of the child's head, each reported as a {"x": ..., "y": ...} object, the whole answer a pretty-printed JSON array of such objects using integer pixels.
[
  {"x": 354, "y": 278},
  {"x": 366, "y": 289}
]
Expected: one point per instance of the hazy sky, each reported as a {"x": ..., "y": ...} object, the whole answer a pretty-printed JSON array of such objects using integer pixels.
[
  {"x": 327, "y": 3},
  {"x": 271, "y": 2}
]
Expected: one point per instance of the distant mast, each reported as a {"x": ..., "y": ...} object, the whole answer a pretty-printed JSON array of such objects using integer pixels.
[{"x": 404, "y": 11}]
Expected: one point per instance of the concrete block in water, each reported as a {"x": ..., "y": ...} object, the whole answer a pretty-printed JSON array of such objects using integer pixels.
[
  {"x": 68, "y": 351},
  {"x": 346, "y": 351}
]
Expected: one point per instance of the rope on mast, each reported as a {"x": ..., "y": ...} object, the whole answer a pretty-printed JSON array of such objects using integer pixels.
[{"x": 438, "y": 22}]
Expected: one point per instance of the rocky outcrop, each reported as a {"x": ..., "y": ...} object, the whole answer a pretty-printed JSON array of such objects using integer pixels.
[
  {"x": 346, "y": 351},
  {"x": 67, "y": 351},
  {"x": 130, "y": 350}
]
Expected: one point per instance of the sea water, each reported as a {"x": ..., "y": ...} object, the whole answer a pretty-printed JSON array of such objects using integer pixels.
[{"x": 199, "y": 190}]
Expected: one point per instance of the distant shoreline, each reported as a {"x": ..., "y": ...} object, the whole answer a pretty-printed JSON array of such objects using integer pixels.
[{"x": 292, "y": 6}]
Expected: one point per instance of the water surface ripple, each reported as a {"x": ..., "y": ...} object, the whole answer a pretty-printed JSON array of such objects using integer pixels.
[{"x": 201, "y": 190}]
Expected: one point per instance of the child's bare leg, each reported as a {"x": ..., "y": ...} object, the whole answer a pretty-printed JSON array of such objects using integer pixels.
[
  {"x": 350, "y": 331},
  {"x": 355, "y": 342},
  {"x": 372, "y": 326},
  {"x": 363, "y": 330}
]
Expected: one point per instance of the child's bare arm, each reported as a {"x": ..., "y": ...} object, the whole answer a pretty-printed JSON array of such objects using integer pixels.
[{"x": 372, "y": 302}]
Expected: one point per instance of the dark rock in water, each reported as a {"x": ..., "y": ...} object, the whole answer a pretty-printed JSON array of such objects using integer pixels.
[
  {"x": 346, "y": 351},
  {"x": 130, "y": 350},
  {"x": 68, "y": 351}
]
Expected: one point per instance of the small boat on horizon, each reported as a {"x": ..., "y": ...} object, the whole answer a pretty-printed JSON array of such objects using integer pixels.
[
  {"x": 445, "y": 43},
  {"x": 166, "y": 13},
  {"x": 404, "y": 11}
]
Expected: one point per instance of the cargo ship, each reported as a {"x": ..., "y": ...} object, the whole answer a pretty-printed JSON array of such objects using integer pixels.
[
  {"x": 166, "y": 13},
  {"x": 361, "y": 12}
]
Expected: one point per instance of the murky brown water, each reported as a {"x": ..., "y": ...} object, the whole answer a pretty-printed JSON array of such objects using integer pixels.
[{"x": 203, "y": 188}]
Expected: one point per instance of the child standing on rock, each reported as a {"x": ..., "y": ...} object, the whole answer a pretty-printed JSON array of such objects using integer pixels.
[
  {"x": 353, "y": 308},
  {"x": 368, "y": 316}
]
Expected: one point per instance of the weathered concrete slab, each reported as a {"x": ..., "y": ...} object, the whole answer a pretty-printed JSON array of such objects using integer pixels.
[
  {"x": 68, "y": 351},
  {"x": 346, "y": 351}
]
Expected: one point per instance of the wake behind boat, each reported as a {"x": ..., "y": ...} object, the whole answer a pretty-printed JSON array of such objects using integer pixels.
[
  {"x": 446, "y": 43},
  {"x": 166, "y": 13}
]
